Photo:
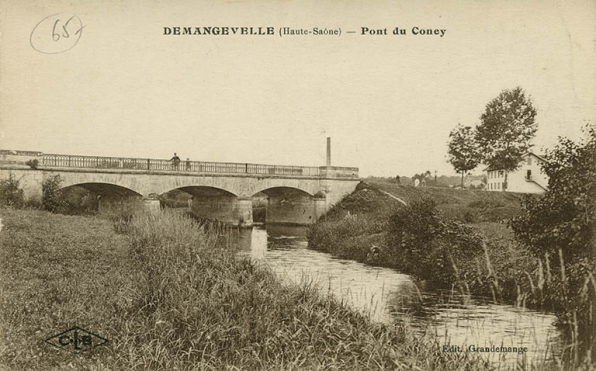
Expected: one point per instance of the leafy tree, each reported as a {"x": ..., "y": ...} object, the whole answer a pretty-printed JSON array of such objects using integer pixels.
[
  {"x": 506, "y": 130},
  {"x": 463, "y": 153},
  {"x": 52, "y": 195},
  {"x": 559, "y": 227},
  {"x": 10, "y": 192},
  {"x": 564, "y": 217}
]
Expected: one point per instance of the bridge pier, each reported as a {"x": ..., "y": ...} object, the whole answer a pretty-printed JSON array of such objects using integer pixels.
[
  {"x": 290, "y": 207},
  {"x": 121, "y": 205},
  {"x": 320, "y": 205},
  {"x": 151, "y": 205},
  {"x": 245, "y": 212},
  {"x": 225, "y": 208}
]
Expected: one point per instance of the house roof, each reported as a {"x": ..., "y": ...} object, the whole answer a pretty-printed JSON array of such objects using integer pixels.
[{"x": 524, "y": 155}]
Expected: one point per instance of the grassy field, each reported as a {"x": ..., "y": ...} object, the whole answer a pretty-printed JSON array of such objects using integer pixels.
[
  {"x": 170, "y": 295},
  {"x": 469, "y": 206}
]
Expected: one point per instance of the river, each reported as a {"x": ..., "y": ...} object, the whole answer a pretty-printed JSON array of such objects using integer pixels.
[{"x": 391, "y": 297}]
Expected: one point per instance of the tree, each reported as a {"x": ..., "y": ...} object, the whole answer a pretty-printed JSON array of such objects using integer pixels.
[
  {"x": 564, "y": 217},
  {"x": 463, "y": 153},
  {"x": 560, "y": 227},
  {"x": 52, "y": 196},
  {"x": 10, "y": 192},
  {"x": 506, "y": 130}
]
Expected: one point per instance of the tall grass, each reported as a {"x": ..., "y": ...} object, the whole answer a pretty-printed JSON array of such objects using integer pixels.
[
  {"x": 541, "y": 288},
  {"x": 170, "y": 294},
  {"x": 195, "y": 305}
]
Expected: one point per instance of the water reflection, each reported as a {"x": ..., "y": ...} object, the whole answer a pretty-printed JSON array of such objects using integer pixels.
[{"x": 389, "y": 296}]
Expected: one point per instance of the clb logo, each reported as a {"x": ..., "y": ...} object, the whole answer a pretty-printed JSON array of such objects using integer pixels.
[{"x": 76, "y": 340}]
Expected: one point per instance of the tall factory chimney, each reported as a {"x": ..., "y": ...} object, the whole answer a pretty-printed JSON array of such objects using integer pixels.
[{"x": 328, "y": 151}]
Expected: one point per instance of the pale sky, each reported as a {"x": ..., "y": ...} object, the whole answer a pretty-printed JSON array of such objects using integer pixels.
[{"x": 387, "y": 102}]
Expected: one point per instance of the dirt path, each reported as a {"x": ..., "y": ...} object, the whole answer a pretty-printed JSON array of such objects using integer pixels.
[{"x": 393, "y": 197}]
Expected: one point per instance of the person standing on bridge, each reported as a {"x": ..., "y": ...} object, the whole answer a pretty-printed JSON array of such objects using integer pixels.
[
  {"x": 175, "y": 161},
  {"x": 188, "y": 164}
]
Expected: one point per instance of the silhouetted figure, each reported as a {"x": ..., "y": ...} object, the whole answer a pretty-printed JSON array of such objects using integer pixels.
[
  {"x": 397, "y": 179},
  {"x": 175, "y": 161},
  {"x": 187, "y": 163}
]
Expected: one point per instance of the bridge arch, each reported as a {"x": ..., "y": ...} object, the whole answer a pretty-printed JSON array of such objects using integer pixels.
[
  {"x": 204, "y": 191},
  {"x": 284, "y": 190},
  {"x": 68, "y": 179},
  {"x": 105, "y": 189},
  {"x": 274, "y": 185},
  {"x": 105, "y": 197},
  {"x": 291, "y": 205}
]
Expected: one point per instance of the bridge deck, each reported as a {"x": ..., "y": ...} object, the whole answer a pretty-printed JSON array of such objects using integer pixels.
[{"x": 146, "y": 164}]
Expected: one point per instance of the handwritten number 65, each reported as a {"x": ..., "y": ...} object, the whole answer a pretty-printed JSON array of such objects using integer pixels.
[
  {"x": 65, "y": 34},
  {"x": 53, "y": 35}
]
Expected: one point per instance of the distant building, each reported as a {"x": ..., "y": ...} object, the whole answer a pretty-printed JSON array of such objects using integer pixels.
[{"x": 528, "y": 178}]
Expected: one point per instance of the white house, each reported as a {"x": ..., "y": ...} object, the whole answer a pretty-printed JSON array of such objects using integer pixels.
[{"x": 528, "y": 178}]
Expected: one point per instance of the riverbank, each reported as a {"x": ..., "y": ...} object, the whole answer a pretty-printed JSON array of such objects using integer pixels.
[
  {"x": 362, "y": 221},
  {"x": 460, "y": 240},
  {"x": 170, "y": 295},
  {"x": 457, "y": 238}
]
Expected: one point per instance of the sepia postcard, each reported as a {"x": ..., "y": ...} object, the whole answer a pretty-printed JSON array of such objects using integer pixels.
[{"x": 297, "y": 185}]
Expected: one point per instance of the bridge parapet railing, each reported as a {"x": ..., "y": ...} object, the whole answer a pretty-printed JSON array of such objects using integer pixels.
[
  {"x": 338, "y": 172},
  {"x": 96, "y": 162}
]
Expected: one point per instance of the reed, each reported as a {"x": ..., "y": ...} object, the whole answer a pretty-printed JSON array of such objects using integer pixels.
[{"x": 171, "y": 294}]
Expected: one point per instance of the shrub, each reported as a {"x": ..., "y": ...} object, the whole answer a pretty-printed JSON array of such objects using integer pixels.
[
  {"x": 11, "y": 194},
  {"x": 33, "y": 203},
  {"x": 340, "y": 237},
  {"x": 51, "y": 198},
  {"x": 174, "y": 199},
  {"x": 419, "y": 242},
  {"x": 33, "y": 164},
  {"x": 70, "y": 200}
]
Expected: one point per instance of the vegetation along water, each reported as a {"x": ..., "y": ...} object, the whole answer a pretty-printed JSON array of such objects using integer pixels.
[{"x": 533, "y": 251}]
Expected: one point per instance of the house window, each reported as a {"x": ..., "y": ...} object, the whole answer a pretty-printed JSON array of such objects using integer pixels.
[
  {"x": 529, "y": 160},
  {"x": 529, "y": 174}
]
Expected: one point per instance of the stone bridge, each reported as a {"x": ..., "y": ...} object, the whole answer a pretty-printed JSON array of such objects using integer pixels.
[{"x": 222, "y": 191}]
